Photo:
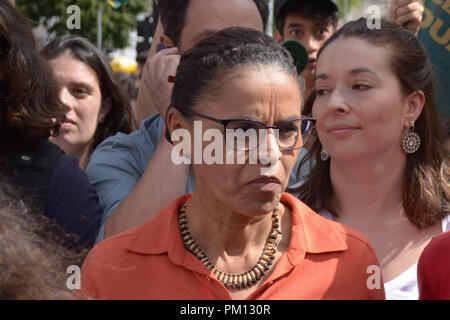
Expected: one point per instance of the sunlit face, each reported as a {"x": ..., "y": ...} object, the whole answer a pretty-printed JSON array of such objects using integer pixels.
[
  {"x": 360, "y": 108},
  {"x": 266, "y": 94},
  {"x": 79, "y": 91},
  {"x": 311, "y": 33},
  {"x": 204, "y": 17}
]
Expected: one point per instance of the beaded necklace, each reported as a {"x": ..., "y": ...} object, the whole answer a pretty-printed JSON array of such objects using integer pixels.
[{"x": 237, "y": 281}]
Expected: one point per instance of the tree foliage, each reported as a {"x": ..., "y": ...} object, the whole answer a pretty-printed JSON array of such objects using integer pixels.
[
  {"x": 116, "y": 23},
  {"x": 351, "y": 5}
]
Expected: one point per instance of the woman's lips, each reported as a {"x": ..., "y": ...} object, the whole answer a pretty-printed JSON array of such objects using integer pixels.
[
  {"x": 67, "y": 124},
  {"x": 265, "y": 184},
  {"x": 342, "y": 130}
]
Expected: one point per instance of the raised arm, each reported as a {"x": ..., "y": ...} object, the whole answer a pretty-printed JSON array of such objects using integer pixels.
[
  {"x": 407, "y": 13},
  {"x": 161, "y": 182},
  {"x": 154, "y": 91}
]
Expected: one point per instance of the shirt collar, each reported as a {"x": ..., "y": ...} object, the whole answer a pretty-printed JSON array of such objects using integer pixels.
[{"x": 310, "y": 233}]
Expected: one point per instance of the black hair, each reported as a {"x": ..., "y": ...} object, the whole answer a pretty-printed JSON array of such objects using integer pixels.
[
  {"x": 203, "y": 67},
  {"x": 173, "y": 12},
  {"x": 317, "y": 10},
  {"x": 120, "y": 117}
]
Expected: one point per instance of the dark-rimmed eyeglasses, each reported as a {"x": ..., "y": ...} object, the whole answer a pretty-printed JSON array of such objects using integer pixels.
[{"x": 291, "y": 134}]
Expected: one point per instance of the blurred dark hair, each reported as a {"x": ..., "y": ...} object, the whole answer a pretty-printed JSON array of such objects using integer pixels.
[
  {"x": 317, "y": 10},
  {"x": 426, "y": 186},
  {"x": 120, "y": 117},
  {"x": 32, "y": 264},
  {"x": 128, "y": 83},
  {"x": 173, "y": 12},
  {"x": 307, "y": 107},
  {"x": 445, "y": 121},
  {"x": 202, "y": 68},
  {"x": 29, "y": 108}
]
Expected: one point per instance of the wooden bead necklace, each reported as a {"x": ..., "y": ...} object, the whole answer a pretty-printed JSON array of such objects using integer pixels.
[{"x": 237, "y": 281}]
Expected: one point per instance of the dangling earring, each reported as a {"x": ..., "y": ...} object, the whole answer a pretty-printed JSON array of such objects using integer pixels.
[
  {"x": 324, "y": 156},
  {"x": 411, "y": 140}
]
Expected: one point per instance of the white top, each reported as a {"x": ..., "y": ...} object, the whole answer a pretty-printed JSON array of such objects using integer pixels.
[{"x": 404, "y": 286}]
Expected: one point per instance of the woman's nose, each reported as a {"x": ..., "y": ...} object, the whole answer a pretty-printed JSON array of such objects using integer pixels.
[
  {"x": 66, "y": 98},
  {"x": 338, "y": 102},
  {"x": 269, "y": 150}
]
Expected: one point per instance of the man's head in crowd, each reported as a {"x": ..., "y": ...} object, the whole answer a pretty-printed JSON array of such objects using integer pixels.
[
  {"x": 186, "y": 22},
  {"x": 311, "y": 22}
]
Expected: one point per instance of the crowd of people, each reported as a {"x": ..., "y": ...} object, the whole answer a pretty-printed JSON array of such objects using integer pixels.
[{"x": 350, "y": 200}]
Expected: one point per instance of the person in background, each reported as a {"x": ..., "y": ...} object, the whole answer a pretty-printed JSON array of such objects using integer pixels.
[
  {"x": 433, "y": 272},
  {"x": 134, "y": 174},
  {"x": 380, "y": 164},
  {"x": 312, "y": 22},
  {"x": 129, "y": 83},
  {"x": 238, "y": 236},
  {"x": 30, "y": 114},
  {"x": 96, "y": 106}
]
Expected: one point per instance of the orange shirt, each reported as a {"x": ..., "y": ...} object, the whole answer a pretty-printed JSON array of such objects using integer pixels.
[{"x": 325, "y": 260}]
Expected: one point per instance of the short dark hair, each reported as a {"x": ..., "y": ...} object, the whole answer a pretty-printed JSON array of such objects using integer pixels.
[
  {"x": 173, "y": 12},
  {"x": 29, "y": 102},
  {"x": 317, "y": 10},
  {"x": 203, "y": 67},
  {"x": 120, "y": 117}
]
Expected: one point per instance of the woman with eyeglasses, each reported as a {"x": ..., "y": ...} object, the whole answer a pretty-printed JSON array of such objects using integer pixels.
[
  {"x": 380, "y": 163},
  {"x": 238, "y": 236}
]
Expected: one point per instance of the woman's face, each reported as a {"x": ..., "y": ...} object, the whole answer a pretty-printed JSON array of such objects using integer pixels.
[
  {"x": 79, "y": 91},
  {"x": 360, "y": 108},
  {"x": 266, "y": 94}
]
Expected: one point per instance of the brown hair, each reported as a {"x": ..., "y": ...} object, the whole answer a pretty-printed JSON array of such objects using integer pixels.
[
  {"x": 32, "y": 264},
  {"x": 120, "y": 117},
  {"x": 426, "y": 190},
  {"x": 29, "y": 107}
]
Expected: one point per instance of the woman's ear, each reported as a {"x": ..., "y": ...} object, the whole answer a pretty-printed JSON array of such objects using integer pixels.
[
  {"x": 174, "y": 121},
  {"x": 416, "y": 101},
  {"x": 105, "y": 108}
]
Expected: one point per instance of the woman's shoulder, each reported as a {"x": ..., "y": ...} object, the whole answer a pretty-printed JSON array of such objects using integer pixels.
[{"x": 153, "y": 237}]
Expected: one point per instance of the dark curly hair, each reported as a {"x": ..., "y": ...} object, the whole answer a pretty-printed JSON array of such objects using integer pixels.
[
  {"x": 29, "y": 107},
  {"x": 32, "y": 262},
  {"x": 119, "y": 117}
]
